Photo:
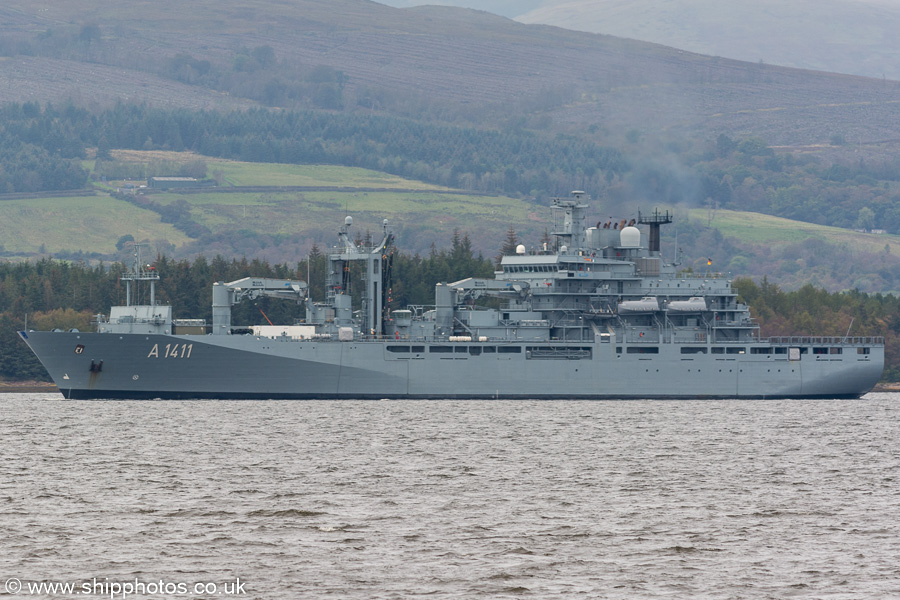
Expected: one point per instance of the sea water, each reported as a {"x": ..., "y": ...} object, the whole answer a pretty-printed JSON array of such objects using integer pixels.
[{"x": 450, "y": 499}]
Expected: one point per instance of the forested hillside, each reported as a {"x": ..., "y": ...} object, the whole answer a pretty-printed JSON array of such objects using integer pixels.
[
  {"x": 41, "y": 144},
  {"x": 516, "y": 162},
  {"x": 430, "y": 63},
  {"x": 47, "y": 149}
]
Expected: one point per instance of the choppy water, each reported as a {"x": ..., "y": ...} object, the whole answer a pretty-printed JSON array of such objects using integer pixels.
[{"x": 359, "y": 500}]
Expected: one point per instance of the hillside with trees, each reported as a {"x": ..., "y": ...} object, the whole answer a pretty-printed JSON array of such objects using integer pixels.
[
  {"x": 717, "y": 175},
  {"x": 435, "y": 63}
]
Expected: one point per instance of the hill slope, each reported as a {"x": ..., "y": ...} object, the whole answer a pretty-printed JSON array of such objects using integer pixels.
[
  {"x": 844, "y": 36},
  {"x": 433, "y": 62},
  {"x": 506, "y": 8}
]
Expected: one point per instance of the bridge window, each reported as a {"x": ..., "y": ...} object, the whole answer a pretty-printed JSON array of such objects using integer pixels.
[{"x": 398, "y": 348}]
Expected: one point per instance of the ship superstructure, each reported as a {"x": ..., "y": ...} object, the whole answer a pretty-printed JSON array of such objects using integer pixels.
[{"x": 598, "y": 315}]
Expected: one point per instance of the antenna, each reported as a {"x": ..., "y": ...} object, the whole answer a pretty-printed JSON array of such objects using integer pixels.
[
  {"x": 849, "y": 326},
  {"x": 679, "y": 253}
]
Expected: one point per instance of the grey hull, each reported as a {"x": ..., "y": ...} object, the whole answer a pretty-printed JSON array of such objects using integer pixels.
[{"x": 137, "y": 366}]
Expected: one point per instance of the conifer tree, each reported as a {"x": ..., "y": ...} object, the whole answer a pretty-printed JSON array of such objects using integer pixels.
[{"x": 509, "y": 245}]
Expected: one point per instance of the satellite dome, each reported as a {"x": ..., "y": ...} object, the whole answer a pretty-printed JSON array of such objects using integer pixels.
[
  {"x": 520, "y": 249},
  {"x": 348, "y": 220},
  {"x": 564, "y": 250},
  {"x": 630, "y": 237}
]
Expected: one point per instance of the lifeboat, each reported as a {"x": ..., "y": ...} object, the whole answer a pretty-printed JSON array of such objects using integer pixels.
[
  {"x": 644, "y": 305},
  {"x": 691, "y": 305}
]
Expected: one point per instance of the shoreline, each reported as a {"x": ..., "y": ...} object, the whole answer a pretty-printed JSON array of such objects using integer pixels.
[
  {"x": 893, "y": 386},
  {"x": 27, "y": 387},
  {"x": 36, "y": 387}
]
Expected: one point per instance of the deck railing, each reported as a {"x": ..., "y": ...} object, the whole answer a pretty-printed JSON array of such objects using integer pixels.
[{"x": 812, "y": 340}]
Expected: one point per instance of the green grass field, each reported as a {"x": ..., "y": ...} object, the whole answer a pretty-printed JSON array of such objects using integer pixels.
[
  {"x": 427, "y": 212},
  {"x": 755, "y": 228},
  {"x": 89, "y": 224},
  {"x": 241, "y": 173},
  {"x": 419, "y": 213},
  {"x": 238, "y": 173},
  {"x": 484, "y": 218}
]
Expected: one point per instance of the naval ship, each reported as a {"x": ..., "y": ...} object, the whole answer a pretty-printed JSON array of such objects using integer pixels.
[{"x": 599, "y": 315}]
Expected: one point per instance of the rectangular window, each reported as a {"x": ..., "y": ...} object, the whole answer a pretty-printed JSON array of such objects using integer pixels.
[
  {"x": 862, "y": 350},
  {"x": 475, "y": 350},
  {"x": 558, "y": 352},
  {"x": 642, "y": 350},
  {"x": 489, "y": 349},
  {"x": 718, "y": 350},
  {"x": 760, "y": 351},
  {"x": 419, "y": 349},
  {"x": 693, "y": 350},
  {"x": 835, "y": 350},
  {"x": 735, "y": 350},
  {"x": 461, "y": 349},
  {"x": 509, "y": 349},
  {"x": 781, "y": 350},
  {"x": 398, "y": 348},
  {"x": 441, "y": 349}
]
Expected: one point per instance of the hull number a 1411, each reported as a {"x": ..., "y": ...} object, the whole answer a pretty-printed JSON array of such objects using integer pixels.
[{"x": 171, "y": 351}]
